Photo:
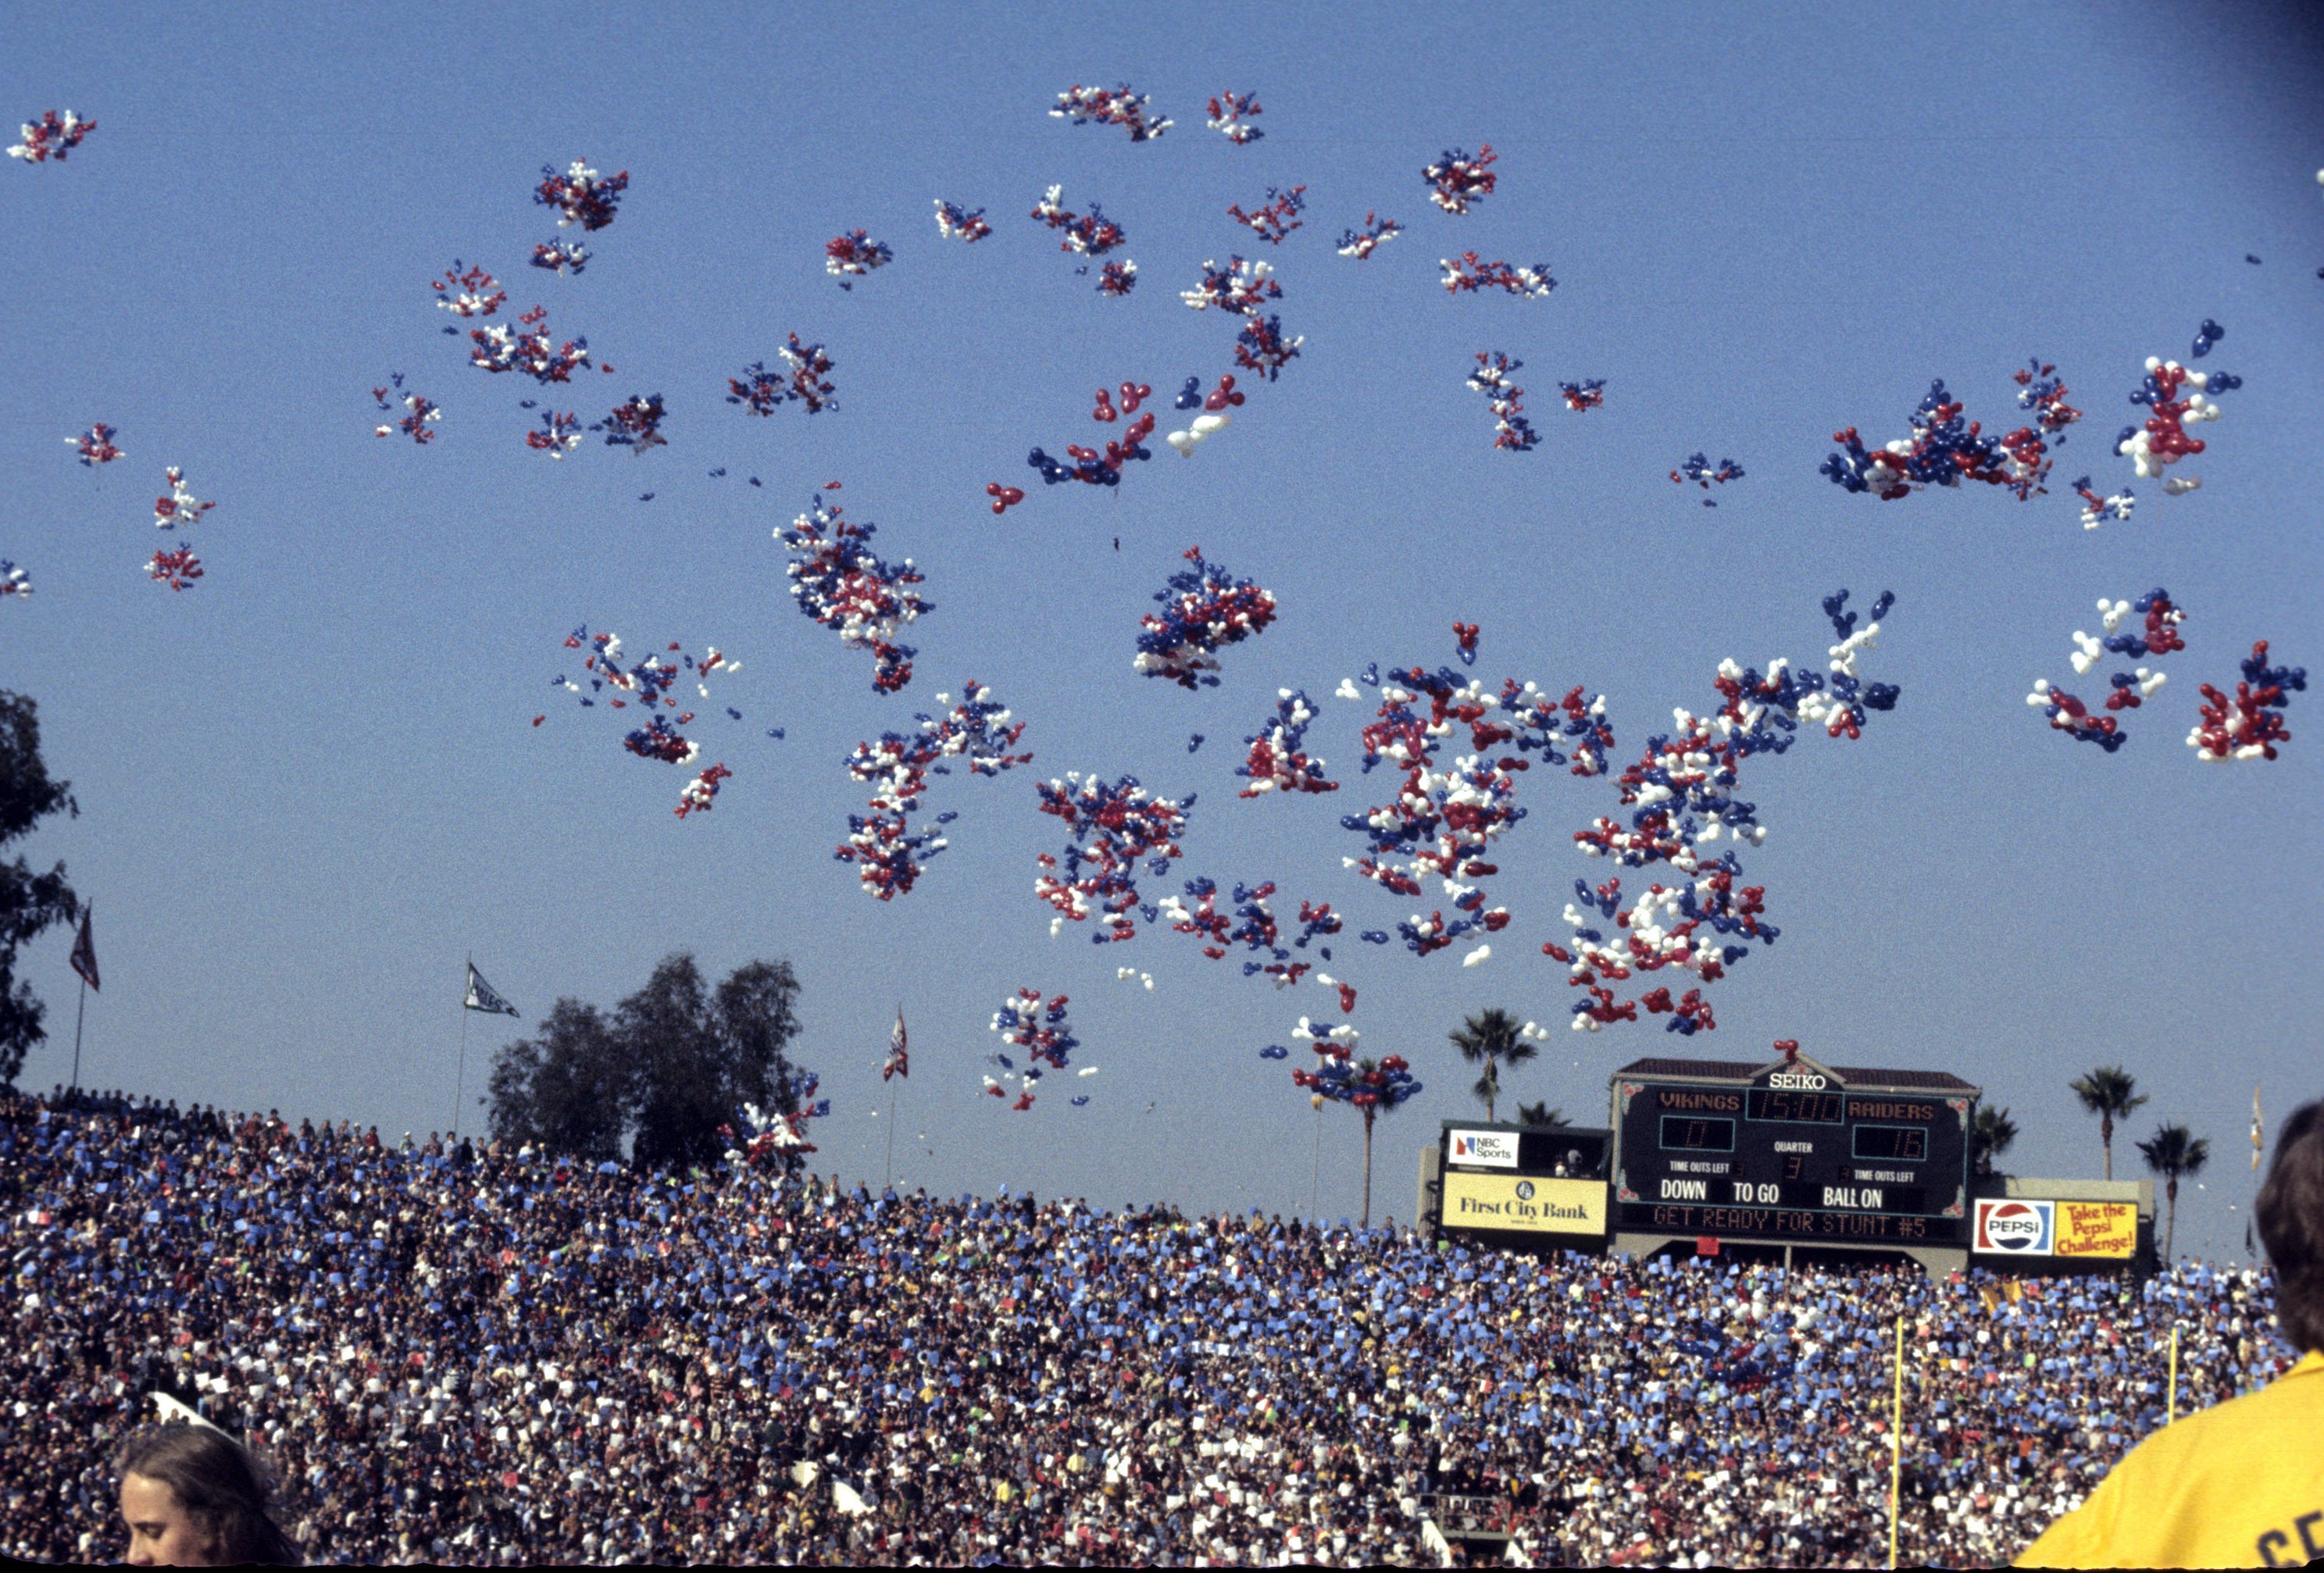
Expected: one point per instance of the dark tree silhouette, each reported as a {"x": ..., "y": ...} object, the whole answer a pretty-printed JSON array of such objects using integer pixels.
[
  {"x": 30, "y": 903},
  {"x": 659, "y": 1077}
]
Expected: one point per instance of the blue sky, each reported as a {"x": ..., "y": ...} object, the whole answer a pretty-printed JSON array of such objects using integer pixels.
[{"x": 309, "y": 787}]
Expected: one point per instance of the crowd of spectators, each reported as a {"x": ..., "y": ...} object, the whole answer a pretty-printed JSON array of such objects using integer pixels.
[{"x": 454, "y": 1354}]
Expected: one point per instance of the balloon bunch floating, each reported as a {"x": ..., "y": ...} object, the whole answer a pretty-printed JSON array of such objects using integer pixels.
[
  {"x": 807, "y": 380},
  {"x": 1038, "y": 1029},
  {"x": 647, "y": 685},
  {"x": 1231, "y": 115},
  {"x": 1214, "y": 406},
  {"x": 1252, "y": 926},
  {"x": 14, "y": 580},
  {"x": 1116, "y": 106},
  {"x": 889, "y": 854},
  {"x": 1089, "y": 234},
  {"x": 1456, "y": 181},
  {"x": 1276, "y": 759},
  {"x": 2249, "y": 725},
  {"x": 1366, "y": 1087},
  {"x": 559, "y": 432},
  {"x": 759, "y": 1135},
  {"x": 635, "y": 424},
  {"x": 54, "y": 136},
  {"x": 699, "y": 793},
  {"x": 95, "y": 445},
  {"x": 1681, "y": 794},
  {"x": 1699, "y": 470},
  {"x": 1492, "y": 378},
  {"x": 954, "y": 222},
  {"x": 561, "y": 257},
  {"x": 840, "y": 582},
  {"x": 2127, "y": 690},
  {"x": 418, "y": 422},
  {"x": 1584, "y": 396},
  {"x": 2097, "y": 509},
  {"x": 1242, "y": 286},
  {"x": 1470, "y": 275},
  {"x": 1204, "y": 610},
  {"x": 1094, "y": 467},
  {"x": 466, "y": 291},
  {"x": 526, "y": 347},
  {"x": 580, "y": 195},
  {"x": 2041, "y": 391},
  {"x": 179, "y": 567},
  {"x": 2176, "y": 397},
  {"x": 854, "y": 255},
  {"x": 1274, "y": 220},
  {"x": 1114, "y": 826},
  {"x": 1375, "y": 233}
]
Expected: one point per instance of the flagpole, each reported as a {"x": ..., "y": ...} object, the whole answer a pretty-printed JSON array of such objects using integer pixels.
[
  {"x": 460, "y": 1083},
  {"x": 889, "y": 1181},
  {"x": 80, "y": 1016}
]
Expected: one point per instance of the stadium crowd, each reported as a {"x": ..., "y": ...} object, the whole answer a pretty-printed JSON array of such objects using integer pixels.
[{"x": 460, "y": 1354}]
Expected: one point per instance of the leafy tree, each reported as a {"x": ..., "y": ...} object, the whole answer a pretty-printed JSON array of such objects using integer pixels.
[
  {"x": 659, "y": 1075},
  {"x": 1991, "y": 1135},
  {"x": 30, "y": 903},
  {"x": 566, "y": 1089},
  {"x": 1541, "y": 1114},
  {"x": 2172, "y": 1151},
  {"x": 1491, "y": 1038},
  {"x": 2111, "y": 1093}
]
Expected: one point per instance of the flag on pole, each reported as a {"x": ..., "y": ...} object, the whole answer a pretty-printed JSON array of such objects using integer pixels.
[
  {"x": 483, "y": 997},
  {"x": 84, "y": 951},
  {"x": 899, "y": 1061},
  {"x": 2259, "y": 1138}
]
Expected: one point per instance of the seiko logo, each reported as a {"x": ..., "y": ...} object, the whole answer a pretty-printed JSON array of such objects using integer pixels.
[{"x": 1797, "y": 1080}]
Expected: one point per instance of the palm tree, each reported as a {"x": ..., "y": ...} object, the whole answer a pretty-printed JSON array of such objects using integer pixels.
[
  {"x": 2110, "y": 1092},
  {"x": 1541, "y": 1114},
  {"x": 1991, "y": 1135},
  {"x": 1391, "y": 1092},
  {"x": 1492, "y": 1038},
  {"x": 2171, "y": 1152}
]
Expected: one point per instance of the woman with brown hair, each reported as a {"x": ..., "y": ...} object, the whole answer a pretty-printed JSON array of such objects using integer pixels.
[{"x": 194, "y": 1498}]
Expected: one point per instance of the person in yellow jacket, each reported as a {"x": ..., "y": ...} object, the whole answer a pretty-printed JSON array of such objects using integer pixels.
[{"x": 2240, "y": 1484}]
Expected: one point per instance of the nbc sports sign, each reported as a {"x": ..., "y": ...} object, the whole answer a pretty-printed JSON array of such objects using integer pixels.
[
  {"x": 1484, "y": 1149},
  {"x": 2015, "y": 1227}
]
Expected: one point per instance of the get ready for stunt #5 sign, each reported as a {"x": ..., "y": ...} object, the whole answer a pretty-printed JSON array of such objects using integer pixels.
[{"x": 1505, "y": 1201}]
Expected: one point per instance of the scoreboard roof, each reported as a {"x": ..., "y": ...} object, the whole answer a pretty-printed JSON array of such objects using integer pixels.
[{"x": 1858, "y": 1078}]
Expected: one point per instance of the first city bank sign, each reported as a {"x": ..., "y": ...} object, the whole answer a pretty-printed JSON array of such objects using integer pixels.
[{"x": 1533, "y": 1205}]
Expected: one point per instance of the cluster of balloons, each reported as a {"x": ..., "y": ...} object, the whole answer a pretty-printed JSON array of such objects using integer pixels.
[
  {"x": 1456, "y": 181},
  {"x": 2250, "y": 724},
  {"x": 94, "y": 447},
  {"x": 2097, "y": 509},
  {"x": 14, "y": 580},
  {"x": 1274, "y": 220},
  {"x": 2176, "y": 399},
  {"x": 699, "y": 792},
  {"x": 806, "y": 380},
  {"x": 1114, "y": 826},
  {"x": 561, "y": 257},
  {"x": 635, "y": 424},
  {"x": 1243, "y": 286},
  {"x": 1231, "y": 115},
  {"x": 647, "y": 685},
  {"x": 756, "y": 1134},
  {"x": 1038, "y": 1029},
  {"x": 1470, "y": 273},
  {"x": 1944, "y": 450},
  {"x": 976, "y": 733},
  {"x": 1681, "y": 795},
  {"x": 527, "y": 348},
  {"x": 1214, "y": 406},
  {"x": 1375, "y": 233},
  {"x": 418, "y": 422},
  {"x": 559, "y": 432},
  {"x": 1117, "y": 279},
  {"x": 1698, "y": 469},
  {"x": 1584, "y": 396},
  {"x": 54, "y": 136},
  {"x": 954, "y": 222},
  {"x": 2041, "y": 391},
  {"x": 468, "y": 291},
  {"x": 841, "y": 583},
  {"x": 580, "y": 195},
  {"x": 1093, "y": 466},
  {"x": 1115, "y": 106},
  {"x": 1086, "y": 234},
  {"x": 179, "y": 508},
  {"x": 1276, "y": 758},
  {"x": 1204, "y": 610},
  {"x": 854, "y": 255},
  {"x": 1512, "y": 429}
]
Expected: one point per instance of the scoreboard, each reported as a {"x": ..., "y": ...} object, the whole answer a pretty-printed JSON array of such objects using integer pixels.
[{"x": 1792, "y": 1150}]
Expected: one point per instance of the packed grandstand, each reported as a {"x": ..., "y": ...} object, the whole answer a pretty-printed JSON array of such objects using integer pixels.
[{"x": 471, "y": 1356}]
